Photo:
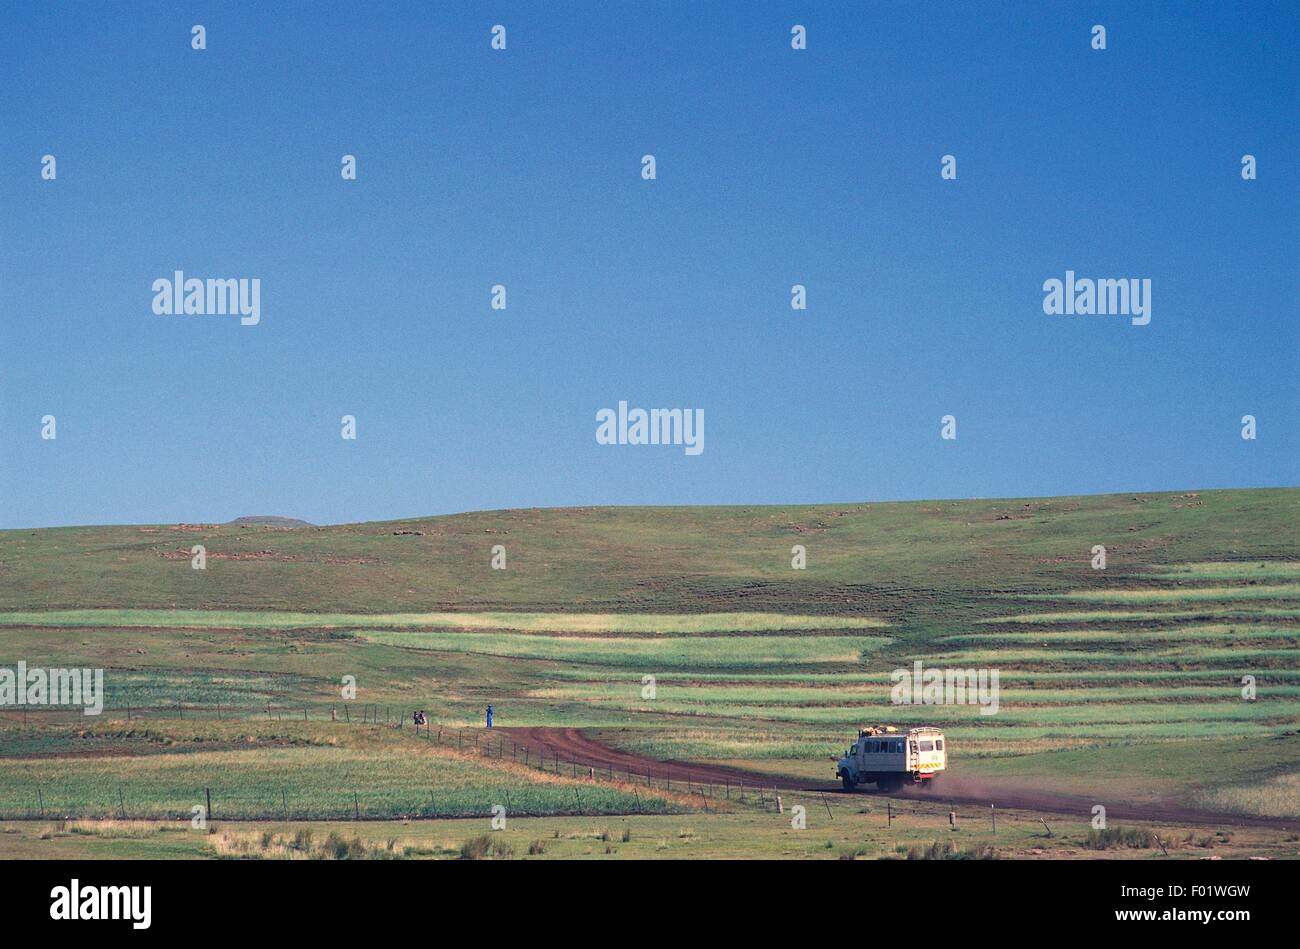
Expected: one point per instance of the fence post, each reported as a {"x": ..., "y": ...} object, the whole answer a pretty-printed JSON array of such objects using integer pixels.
[{"x": 208, "y": 793}]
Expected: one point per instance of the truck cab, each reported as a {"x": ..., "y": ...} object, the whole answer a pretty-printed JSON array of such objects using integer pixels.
[{"x": 888, "y": 758}]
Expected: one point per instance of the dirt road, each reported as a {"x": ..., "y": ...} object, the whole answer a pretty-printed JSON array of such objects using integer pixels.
[{"x": 571, "y": 744}]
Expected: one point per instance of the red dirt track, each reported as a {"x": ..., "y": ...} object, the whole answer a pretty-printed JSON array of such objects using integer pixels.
[{"x": 571, "y": 744}]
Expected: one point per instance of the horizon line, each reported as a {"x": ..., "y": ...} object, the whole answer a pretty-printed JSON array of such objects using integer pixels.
[{"x": 655, "y": 507}]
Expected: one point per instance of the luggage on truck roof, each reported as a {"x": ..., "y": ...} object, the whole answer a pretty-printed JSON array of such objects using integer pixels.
[{"x": 876, "y": 730}]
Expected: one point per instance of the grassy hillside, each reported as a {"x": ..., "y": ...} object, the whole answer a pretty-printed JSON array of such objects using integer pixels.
[
  {"x": 753, "y": 662},
  {"x": 909, "y": 562}
]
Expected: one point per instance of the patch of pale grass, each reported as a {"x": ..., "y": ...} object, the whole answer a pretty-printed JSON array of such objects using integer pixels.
[
  {"x": 667, "y": 652},
  {"x": 1196, "y": 633},
  {"x": 1146, "y": 616},
  {"x": 1278, "y": 796},
  {"x": 304, "y": 845},
  {"x": 668, "y": 623},
  {"x": 121, "y": 829},
  {"x": 1232, "y": 570},
  {"x": 1277, "y": 591}
]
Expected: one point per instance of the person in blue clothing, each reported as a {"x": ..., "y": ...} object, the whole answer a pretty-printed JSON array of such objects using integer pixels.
[{"x": 489, "y": 716}]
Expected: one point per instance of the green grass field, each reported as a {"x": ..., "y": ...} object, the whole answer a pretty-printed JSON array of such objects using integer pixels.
[
  {"x": 847, "y": 832},
  {"x": 753, "y": 663},
  {"x": 300, "y": 770}
]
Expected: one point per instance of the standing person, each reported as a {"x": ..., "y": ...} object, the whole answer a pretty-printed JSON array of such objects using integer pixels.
[{"x": 489, "y": 716}]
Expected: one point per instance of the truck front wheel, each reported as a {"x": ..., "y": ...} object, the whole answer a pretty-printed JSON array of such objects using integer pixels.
[{"x": 849, "y": 783}]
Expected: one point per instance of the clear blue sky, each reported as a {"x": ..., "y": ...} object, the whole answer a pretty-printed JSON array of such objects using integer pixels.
[{"x": 522, "y": 167}]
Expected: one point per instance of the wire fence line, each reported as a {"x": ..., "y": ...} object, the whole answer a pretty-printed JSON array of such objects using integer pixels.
[
  {"x": 620, "y": 785},
  {"x": 610, "y": 790}
]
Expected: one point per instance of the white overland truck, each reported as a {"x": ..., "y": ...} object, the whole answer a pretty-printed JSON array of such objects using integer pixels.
[{"x": 886, "y": 757}]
